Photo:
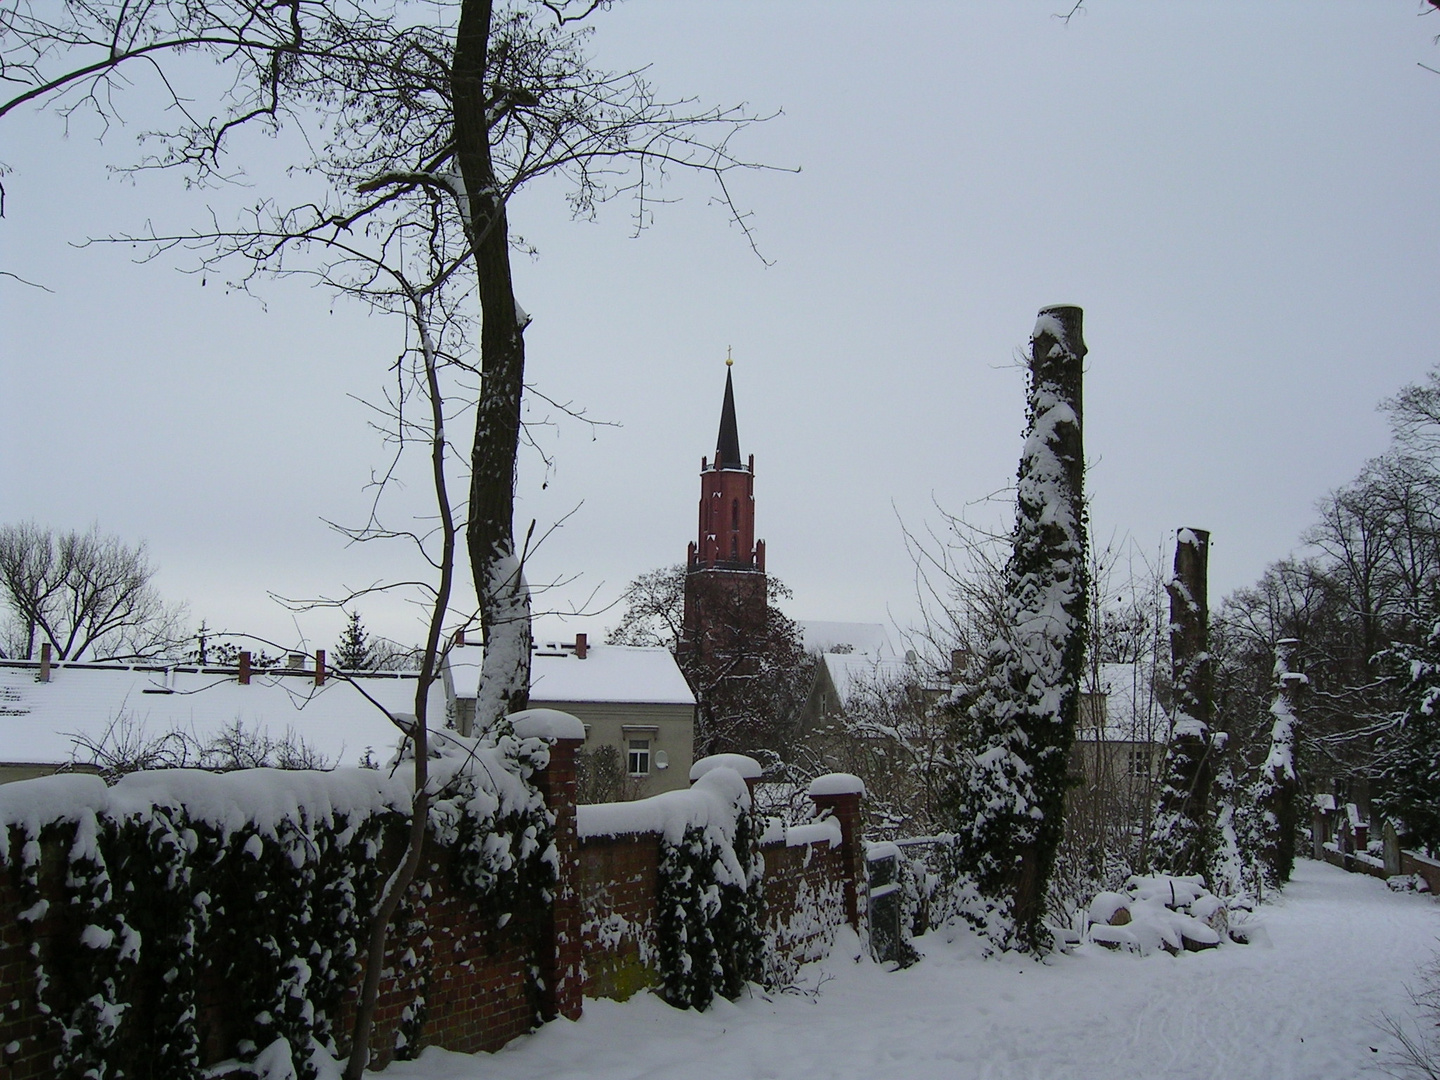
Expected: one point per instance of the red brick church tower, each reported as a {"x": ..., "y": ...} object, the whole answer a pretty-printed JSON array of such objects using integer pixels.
[{"x": 725, "y": 588}]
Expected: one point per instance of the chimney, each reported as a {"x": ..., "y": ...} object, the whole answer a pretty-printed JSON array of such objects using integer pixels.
[
  {"x": 45, "y": 662},
  {"x": 243, "y": 672},
  {"x": 582, "y": 646},
  {"x": 319, "y": 667},
  {"x": 460, "y": 636}
]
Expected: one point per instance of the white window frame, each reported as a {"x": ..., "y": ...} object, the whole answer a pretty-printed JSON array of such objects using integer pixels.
[
  {"x": 638, "y": 759},
  {"x": 1139, "y": 762}
]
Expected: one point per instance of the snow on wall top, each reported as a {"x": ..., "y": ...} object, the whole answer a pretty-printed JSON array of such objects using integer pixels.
[
  {"x": 229, "y": 801},
  {"x": 547, "y": 724},
  {"x": 268, "y": 798},
  {"x": 712, "y": 803},
  {"x": 867, "y": 639},
  {"x": 42, "y": 723},
  {"x": 609, "y": 673},
  {"x": 747, "y": 767}
]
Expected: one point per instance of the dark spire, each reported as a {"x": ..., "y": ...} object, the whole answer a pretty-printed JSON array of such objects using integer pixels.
[{"x": 727, "y": 447}]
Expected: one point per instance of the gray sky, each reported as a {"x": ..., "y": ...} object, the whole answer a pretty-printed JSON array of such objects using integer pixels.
[{"x": 1241, "y": 196}]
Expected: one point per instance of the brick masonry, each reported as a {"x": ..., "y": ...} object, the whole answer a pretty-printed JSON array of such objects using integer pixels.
[{"x": 809, "y": 890}]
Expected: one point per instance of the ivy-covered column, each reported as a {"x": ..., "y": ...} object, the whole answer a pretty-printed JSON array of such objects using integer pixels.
[
  {"x": 559, "y": 958},
  {"x": 1008, "y": 802},
  {"x": 1276, "y": 791},
  {"x": 1183, "y": 839}
]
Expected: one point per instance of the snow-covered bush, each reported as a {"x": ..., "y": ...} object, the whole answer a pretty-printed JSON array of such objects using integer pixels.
[{"x": 260, "y": 880}]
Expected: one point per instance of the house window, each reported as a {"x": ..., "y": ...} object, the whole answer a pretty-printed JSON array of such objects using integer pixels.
[
  {"x": 639, "y": 757},
  {"x": 1139, "y": 762}
]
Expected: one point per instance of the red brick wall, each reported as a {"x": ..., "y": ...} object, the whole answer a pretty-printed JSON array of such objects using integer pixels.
[
  {"x": 36, "y": 1039},
  {"x": 805, "y": 887},
  {"x": 470, "y": 972},
  {"x": 618, "y": 885},
  {"x": 846, "y": 810},
  {"x": 560, "y": 948},
  {"x": 805, "y": 891}
]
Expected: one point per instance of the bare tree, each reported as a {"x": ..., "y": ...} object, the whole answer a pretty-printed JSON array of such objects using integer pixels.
[
  {"x": 751, "y": 678},
  {"x": 126, "y": 746},
  {"x": 892, "y": 733},
  {"x": 414, "y": 113},
  {"x": 87, "y": 595},
  {"x": 423, "y": 121},
  {"x": 654, "y": 609}
]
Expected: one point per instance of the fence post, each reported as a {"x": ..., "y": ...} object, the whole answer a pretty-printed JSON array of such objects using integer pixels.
[
  {"x": 840, "y": 793},
  {"x": 559, "y": 958}
]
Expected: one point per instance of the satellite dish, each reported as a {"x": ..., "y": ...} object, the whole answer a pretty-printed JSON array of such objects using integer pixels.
[{"x": 662, "y": 759}]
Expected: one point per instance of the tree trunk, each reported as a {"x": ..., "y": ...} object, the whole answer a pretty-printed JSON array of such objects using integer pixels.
[
  {"x": 499, "y": 576},
  {"x": 399, "y": 881}
]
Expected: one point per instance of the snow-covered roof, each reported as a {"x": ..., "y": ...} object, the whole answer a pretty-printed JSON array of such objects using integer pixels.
[
  {"x": 849, "y": 671},
  {"x": 42, "y": 723},
  {"x": 632, "y": 674},
  {"x": 868, "y": 639}
]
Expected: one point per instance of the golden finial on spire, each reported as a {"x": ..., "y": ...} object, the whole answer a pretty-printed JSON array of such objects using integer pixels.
[{"x": 729, "y": 362}]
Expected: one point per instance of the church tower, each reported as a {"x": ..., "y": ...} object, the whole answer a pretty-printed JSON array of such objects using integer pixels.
[{"x": 725, "y": 593}]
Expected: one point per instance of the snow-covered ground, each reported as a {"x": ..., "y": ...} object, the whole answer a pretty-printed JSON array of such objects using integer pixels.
[{"x": 1341, "y": 949}]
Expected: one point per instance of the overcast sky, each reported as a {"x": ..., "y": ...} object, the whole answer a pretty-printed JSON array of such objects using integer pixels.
[{"x": 1241, "y": 196}]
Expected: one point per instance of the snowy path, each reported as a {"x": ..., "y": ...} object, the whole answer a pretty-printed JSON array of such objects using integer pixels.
[{"x": 1341, "y": 947}]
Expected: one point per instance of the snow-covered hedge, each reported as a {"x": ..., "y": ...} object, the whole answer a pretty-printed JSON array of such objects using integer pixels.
[{"x": 264, "y": 879}]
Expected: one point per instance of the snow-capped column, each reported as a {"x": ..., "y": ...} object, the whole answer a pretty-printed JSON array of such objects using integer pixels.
[{"x": 840, "y": 795}]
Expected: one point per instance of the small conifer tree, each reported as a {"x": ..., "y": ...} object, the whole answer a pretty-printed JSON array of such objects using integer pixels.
[{"x": 352, "y": 651}]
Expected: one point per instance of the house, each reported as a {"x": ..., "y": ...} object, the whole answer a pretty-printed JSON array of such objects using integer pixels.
[
  {"x": 79, "y": 716},
  {"x": 853, "y": 658},
  {"x": 1120, "y": 740},
  {"x": 90, "y": 716},
  {"x": 632, "y": 698}
]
